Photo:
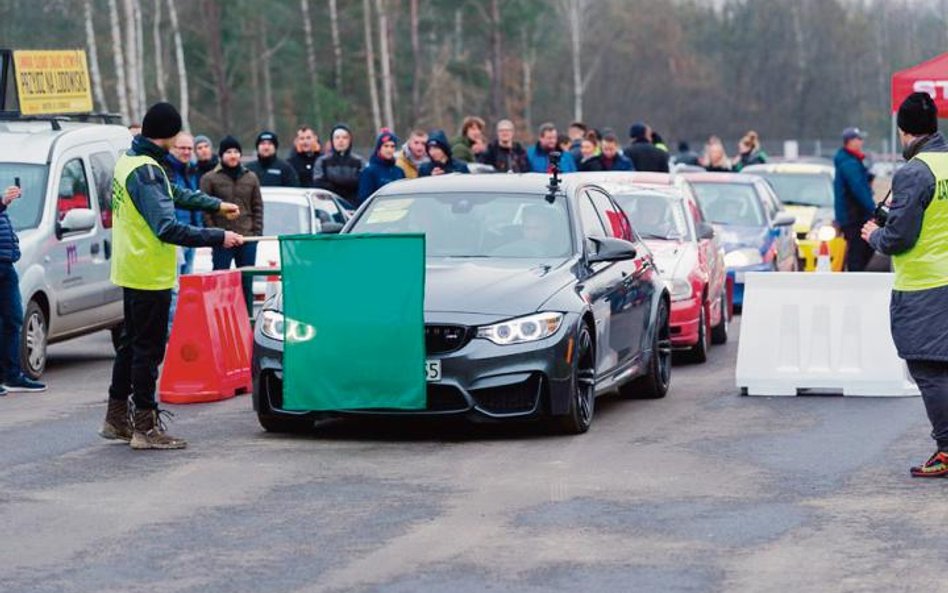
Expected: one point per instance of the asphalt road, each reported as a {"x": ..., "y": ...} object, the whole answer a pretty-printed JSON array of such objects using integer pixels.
[{"x": 702, "y": 491}]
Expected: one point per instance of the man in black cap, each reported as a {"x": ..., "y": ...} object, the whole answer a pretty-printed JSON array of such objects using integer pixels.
[
  {"x": 854, "y": 203},
  {"x": 339, "y": 170},
  {"x": 644, "y": 155},
  {"x": 144, "y": 263},
  {"x": 915, "y": 234},
  {"x": 270, "y": 169}
]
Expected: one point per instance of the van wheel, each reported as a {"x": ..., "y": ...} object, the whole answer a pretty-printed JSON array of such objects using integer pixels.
[{"x": 33, "y": 340}]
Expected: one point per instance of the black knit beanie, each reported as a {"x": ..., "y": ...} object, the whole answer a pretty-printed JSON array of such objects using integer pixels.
[
  {"x": 918, "y": 115},
  {"x": 226, "y": 143},
  {"x": 267, "y": 136},
  {"x": 161, "y": 121}
]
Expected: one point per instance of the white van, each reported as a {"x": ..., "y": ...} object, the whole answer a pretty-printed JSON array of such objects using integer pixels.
[{"x": 63, "y": 220}]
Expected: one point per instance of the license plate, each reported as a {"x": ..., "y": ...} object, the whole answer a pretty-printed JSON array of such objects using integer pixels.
[{"x": 433, "y": 370}]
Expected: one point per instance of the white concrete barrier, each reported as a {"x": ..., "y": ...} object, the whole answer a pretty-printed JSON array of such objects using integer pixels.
[{"x": 821, "y": 332}]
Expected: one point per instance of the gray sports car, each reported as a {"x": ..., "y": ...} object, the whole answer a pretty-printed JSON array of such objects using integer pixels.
[{"x": 538, "y": 300}]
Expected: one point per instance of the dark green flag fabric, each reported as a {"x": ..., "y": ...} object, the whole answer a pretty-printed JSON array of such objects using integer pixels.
[{"x": 354, "y": 322}]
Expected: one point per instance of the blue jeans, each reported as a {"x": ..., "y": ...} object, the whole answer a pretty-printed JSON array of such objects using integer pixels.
[
  {"x": 11, "y": 322},
  {"x": 245, "y": 255}
]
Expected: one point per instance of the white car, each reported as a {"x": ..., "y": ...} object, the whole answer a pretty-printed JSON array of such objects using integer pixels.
[
  {"x": 286, "y": 211},
  {"x": 63, "y": 221}
]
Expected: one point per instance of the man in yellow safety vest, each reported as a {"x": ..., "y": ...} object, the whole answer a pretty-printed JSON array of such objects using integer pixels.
[
  {"x": 915, "y": 234},
  {"x": 145, "y": 231}
]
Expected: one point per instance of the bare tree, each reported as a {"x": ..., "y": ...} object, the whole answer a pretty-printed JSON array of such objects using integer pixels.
[
  {"x": 416, "y": 56},
  {"x": 265, "y": 56},
  {"x": 311, "y": 58},
  {"x": 458, "y": 45},
  {"x": 211, "y": 11},
  {"x": 370, "y": 64},
  {"x": 94, "y": 71},
  {"x": 574, "y": 16},
  {"x": 131, "y": 55},
  {"x": 185, "y": 105},
  {"x": 140, "y": 57},
  {"x": 386, "y": 59},
  {"x": 336, "y": 45},
  {"x": 121, "y": 88},
  {"x": 159, "y": 55},
  {"x": 496, "y": 61}
]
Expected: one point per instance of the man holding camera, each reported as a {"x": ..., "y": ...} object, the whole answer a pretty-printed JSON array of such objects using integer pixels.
[{"x": 915, "y": 234}]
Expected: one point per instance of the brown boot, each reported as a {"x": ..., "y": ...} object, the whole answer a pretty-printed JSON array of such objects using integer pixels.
[
  {"x": 150, "y": 433},
  {"x": 117, "y": 425}
]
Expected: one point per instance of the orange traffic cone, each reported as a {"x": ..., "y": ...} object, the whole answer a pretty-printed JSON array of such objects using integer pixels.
[{"x": 823, "y": 263}]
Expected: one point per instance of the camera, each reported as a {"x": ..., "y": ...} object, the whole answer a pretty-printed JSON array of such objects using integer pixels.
[{"x": 881, "y": 214}]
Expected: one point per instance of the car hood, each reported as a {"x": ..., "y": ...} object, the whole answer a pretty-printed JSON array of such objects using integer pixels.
[
  {"x": 672, "y": 257},
  {"x": 738, "y": 237},
  {"x": 493, "y": 287}
]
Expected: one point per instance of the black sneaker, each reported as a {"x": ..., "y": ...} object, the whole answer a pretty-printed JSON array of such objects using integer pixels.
[{"x": 24, "y": 384}]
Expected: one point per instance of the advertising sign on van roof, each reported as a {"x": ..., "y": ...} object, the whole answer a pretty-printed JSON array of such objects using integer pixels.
[{"x": 52, "y": 82}]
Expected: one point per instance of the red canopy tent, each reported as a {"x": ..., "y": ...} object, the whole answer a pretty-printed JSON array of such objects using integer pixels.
[{"x": 931, "y": 76}]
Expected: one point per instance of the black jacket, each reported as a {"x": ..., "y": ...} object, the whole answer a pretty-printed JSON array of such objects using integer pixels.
[
  {"x": 303, "y": 164},
  {"x": 273, "y": 171},
  {"x": 593, "y": 163},
  {"x": 646, "y": 157},
  {"x": 339, "y": 172},
  {"x": 505, "y": 160},
  {"x": 919, "y": 318}
]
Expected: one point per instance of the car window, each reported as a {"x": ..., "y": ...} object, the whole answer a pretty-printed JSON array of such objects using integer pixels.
[
  {"x": 736, "y": 204},
  {"x": 614, "y": 219},
  {"x": 327, "y": 210},
  {"x": 771, "y": 205},
  {"x": 103, "y": 167},
  {"x": 73, "y": 188},
  {"x": 283, "y": 218},
  {"x": 25, "y": 212},
  {"x": 592, "y": 225},
  {"x": 654, "y": 215},
  {"x": 808, "y": 189},
  {"x": 474, "y": 224}
]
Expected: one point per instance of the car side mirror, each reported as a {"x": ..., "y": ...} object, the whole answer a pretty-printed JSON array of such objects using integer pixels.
[
  {"x": 611, "y": 249},
  {"x": 784, "y": 219},
  {"x": 77, "y": 220},
  {"x": 705, "y": 230},
  {"x": 330, "y": 228}
]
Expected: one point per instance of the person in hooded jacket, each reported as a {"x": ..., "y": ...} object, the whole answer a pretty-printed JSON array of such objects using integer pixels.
[
  {"x": 382, "y": 168},
  {"x": 413, "y": 154},
  {"x": 339, "y": 170},
  {"x": 234, "y": 183},
  {"x": 270, "y": 169},
  {"x": 644, "y": 155},
  {"x": 441, "y": 162}
]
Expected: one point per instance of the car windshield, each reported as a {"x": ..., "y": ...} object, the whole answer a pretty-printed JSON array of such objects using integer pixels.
[
  {"x": 730, "y": 203},
  {"x": 25, "y": 212},
  {"x": 327, "y": 210},
  {"x": 655, "y": 216},
  {"x": 285, "y": 218},
  {"x": 806, "y": 189},
  {"x": 475, "y": 225}
]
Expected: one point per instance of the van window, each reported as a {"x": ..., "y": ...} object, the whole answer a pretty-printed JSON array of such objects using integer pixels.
[
  {"x": 103, "y": 166},
  {"x": 73, "y": 188},
  {"x": 27, "y": 211}
]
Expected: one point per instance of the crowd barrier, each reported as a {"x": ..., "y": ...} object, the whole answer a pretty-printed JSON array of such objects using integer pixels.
[
  {"x": 821, "y": 332},
  {"x": 208, "y": 354}
]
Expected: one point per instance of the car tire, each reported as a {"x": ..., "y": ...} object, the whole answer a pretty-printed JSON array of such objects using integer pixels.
[
  {"x": 654, "y": 384},
  {"x": 582, "y": 394},
  {"x": 699, "y": 352},
  {"x": 720, "y": 331},
  {"x": 34, "y": 337}
]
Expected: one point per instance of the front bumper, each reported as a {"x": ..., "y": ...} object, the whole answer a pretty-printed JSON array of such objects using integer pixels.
[
  {"x": 480, "y": 380},
  {"x": 685, "y": 322}
]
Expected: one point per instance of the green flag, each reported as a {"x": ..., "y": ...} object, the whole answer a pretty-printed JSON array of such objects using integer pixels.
[{"x": 354, "y": 322}]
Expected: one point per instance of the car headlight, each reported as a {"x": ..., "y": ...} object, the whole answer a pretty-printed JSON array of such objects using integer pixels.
[
  {"x": 523, "y": 329},
  {"x": 826, "y": 232},
  {"x": 680, "y": 289},
  {"x": 271, "y": 324},
  {"x": 740, "y": 258}
]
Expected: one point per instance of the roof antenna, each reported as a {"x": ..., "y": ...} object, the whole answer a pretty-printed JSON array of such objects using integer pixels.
[{"x": 555, "y": 179}]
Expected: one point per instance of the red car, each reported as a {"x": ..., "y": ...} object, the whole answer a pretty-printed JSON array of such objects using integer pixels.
[{"x": 665, "y": 213}]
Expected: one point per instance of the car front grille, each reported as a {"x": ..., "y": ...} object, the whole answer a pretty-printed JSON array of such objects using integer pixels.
[
  {"x": 445, "y": 398},
  {"x": 442, "y": 339},
  {"x": 510, "y": 399}
]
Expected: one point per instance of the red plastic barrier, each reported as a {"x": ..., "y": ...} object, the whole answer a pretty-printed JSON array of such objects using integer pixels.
[{"x": 208, "y": 355}]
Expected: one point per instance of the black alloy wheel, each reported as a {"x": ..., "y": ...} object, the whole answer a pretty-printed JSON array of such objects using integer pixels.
[
  {"x": 654, "y": 384},
  {"x": 583, "y": 392}
]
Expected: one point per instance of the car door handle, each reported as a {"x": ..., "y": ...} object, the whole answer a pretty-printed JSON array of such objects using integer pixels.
[{"x": 95, "y": 249}]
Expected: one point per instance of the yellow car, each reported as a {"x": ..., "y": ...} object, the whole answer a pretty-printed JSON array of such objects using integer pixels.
[{"x": 806, "y": 189}]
